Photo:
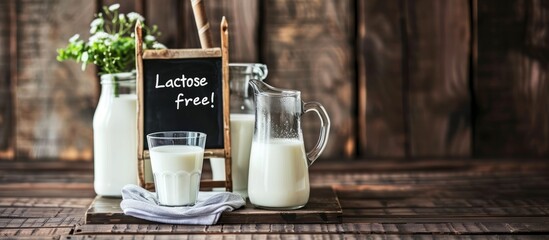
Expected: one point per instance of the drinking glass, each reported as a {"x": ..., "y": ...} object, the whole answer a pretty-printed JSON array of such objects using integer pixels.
[{"x": 176, "y": 159}]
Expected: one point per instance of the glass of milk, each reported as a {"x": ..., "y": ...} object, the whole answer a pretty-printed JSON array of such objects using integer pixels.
[{"x": 176, "y": 159}]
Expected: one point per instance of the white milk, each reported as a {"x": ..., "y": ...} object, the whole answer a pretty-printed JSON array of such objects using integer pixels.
[
  {"x": 115, "y": 150},
  {"x": 279, "y": 177},
  {"x": 242, "y": 132},
  {"x": 176, "y": 170}
]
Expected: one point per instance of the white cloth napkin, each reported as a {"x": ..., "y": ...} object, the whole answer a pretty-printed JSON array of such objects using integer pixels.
[{"x": 140, "y": 203}]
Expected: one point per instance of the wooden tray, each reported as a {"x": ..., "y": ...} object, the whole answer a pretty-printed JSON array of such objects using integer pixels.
[{"x": 323, "y": 207}]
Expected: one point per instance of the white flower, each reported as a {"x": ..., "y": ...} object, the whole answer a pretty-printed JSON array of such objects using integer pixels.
[
  {"x": 74, "y": 38},
  {"x": 84, "y": 60},
  {"x": 99, "y": 36},
  {"x": 122, "y": 17},
  {"x": 114, "y": 37},
  {"x": 85, "y": 57},
  {"x": 158, "y": 45},
  {"x": 150, "y": 38},
  {"x": 95, "y": 24},
  {"x": 113, "y": 7},
  {"x": 135, "y": 16}
]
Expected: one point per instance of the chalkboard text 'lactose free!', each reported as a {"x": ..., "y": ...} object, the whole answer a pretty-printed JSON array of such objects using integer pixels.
[{"x": 186, "y": 82}]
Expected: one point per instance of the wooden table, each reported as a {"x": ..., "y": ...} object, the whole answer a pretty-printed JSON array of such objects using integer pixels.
[{"x": 380, "y": 199}]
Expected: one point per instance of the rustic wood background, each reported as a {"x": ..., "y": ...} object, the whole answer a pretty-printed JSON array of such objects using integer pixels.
[{"x": 399, "y": 78}]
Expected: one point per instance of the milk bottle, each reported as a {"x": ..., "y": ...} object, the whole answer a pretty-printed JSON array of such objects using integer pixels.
[{"x": 114, "y": 134}]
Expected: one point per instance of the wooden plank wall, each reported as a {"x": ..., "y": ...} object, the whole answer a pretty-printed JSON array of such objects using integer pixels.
[
  {"x": 381, "y": 121},
  {"x": 400, "y": 78},
  {"x": 53, "y": 103},
  {"x": 437, "y": 57},
  {"x": 308, "y": 45},
  {"x": 413, "y": 65},
  {"x": 6, "y": 93},
  {"x": 512, "y": 79}
]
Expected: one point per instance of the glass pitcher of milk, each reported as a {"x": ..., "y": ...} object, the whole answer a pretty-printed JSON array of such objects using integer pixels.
[
  {"x": 279, "y": 178},
  {"x": 242, "y": 121}
]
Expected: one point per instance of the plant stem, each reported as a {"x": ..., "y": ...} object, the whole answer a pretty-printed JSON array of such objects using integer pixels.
[{"x": 115, "y": 86}]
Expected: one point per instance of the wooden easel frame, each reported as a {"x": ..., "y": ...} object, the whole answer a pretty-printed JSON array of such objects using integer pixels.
[{"x": 223, "y": 52}]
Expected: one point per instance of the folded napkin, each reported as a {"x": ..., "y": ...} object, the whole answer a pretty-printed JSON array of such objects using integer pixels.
[{"x": 140, "y": 203}]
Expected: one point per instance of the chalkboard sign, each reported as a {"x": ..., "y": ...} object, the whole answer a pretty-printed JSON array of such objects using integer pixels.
[
  {"x": 184, "y": 94},
  {"x": 185, "y": 90}
]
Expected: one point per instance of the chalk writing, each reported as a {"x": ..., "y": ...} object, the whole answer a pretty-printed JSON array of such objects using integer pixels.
[
  {"x": 182, "y": 82},
  {"x": 196, "y": 101},
  {"x": 185, "y": 82}
]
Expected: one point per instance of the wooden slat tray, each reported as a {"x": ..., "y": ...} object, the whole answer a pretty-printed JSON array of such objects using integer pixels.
[{"x": 323, "y": 207}]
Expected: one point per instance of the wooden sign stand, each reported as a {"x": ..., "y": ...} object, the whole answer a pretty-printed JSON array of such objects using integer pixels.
[{"x": 186, "y": 56}]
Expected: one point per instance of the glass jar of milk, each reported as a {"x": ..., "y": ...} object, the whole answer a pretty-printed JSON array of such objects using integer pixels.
[
  {"x": 115, "y": 135},
  {"x": 242, "y": 121}
]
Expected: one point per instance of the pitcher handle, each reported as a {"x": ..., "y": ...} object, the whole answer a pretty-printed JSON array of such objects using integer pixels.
[{"x": 324, "y": 130}]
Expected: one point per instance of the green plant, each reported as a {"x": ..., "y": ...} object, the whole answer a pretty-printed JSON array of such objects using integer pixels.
[{"x": 111, "y": 46}]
